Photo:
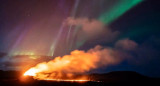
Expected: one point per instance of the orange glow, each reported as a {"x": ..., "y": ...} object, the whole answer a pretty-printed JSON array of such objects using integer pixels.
[
  {"x": 65, "y": 68},
  {"x": 31, "y": 72},
  {"x": 65, "y": 80}
]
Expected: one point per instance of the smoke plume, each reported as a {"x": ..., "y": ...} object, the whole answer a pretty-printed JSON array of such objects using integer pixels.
[
  {"x": 78, "y": 61},
  {"x": 90, "y": 26},
  {"x": 126, "y": 44}
]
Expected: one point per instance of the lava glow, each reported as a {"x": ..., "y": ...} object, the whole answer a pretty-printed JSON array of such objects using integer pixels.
[
  {"x": 70, "y": 67},
  {"x": 31, "y": 72},
  {"x": 69, "y": 80}
]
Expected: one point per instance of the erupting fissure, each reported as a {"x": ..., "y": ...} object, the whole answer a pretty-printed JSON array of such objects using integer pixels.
[{"x": 78, "y": 62}]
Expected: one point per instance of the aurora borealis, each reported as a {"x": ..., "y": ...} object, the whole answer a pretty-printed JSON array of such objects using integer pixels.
[
  {"x": 43, "y": 30},
  {"x": 53, "y": 28},
  {"x": 117, "y": 10}
]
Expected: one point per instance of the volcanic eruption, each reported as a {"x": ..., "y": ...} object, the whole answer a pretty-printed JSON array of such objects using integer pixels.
[{"x": 78, "y": 62}]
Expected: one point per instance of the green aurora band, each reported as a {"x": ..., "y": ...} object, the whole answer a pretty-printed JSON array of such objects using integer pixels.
[{"x": 117, "y": 10}]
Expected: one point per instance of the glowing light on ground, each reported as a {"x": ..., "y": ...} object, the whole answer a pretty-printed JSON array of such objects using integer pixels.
[
  {"x": 65, "y": 80},
  {"x": 31, "y": 72}
]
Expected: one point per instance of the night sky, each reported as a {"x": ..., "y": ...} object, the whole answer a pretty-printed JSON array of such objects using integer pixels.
[{"x": 51, "y": 28}]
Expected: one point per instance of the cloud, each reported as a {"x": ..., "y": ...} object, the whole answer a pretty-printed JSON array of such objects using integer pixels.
[
  {"x": 89, "y": 30},
  {"x": 126, "y": 44},
  {"x": 78, "y": 61},
  {"x": 94, "y": 58},
  {"x": 90, "y": 26}
]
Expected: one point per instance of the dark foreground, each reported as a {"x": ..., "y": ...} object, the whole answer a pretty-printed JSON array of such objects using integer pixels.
[
  {"x": 53, "y": 83},
  {"x": 120, "y": 78}
]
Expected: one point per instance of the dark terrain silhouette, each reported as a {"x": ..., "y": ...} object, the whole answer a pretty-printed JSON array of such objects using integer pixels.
[{"x": 117, "y": 78}]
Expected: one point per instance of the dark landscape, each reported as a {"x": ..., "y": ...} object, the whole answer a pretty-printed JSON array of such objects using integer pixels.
[{"x": 117, "y": 78}]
